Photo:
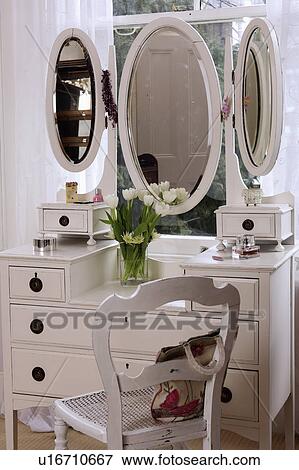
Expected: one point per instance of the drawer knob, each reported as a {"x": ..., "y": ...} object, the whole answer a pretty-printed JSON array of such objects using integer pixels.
[
  {"x": 248, "y": 224},
  {"x": 38, "y": 374},
  {"x": 35, "y": 284},
  {"x": 64, "y": 220},
  {"x": 226, "y": 395},
  {"x": 37, "y": 326}
]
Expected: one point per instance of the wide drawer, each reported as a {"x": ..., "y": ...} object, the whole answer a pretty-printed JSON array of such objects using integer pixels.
[
  {"x": 248, "y": 290},
  {"x": 56, "y": 374},
  {"x": 37, "y": 283},
  {"x": 241, "y": 395},
  {"x": 260, "y": 225},
  {"x": 148, "y": 334},
  {"x": 45, "y": 325},
  {"x": 65, "y": 220}
]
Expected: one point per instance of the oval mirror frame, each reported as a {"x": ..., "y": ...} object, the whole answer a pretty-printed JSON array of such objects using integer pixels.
[
  {"x": 99, "y": 119},
  {"x": 276, "y": 96},
  {"x": 202, "y": 52}
]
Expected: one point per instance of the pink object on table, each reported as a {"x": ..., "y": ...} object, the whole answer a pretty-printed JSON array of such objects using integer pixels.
[{"x": 98, "y": 197}]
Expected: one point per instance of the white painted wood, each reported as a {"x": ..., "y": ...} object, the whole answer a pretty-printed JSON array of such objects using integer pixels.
[
  {"x": 180, "y": 328},
  {"x": 87, "y": 273},
  {"x": 62, "y": 327},
  {"x": 202, "y": 53},
  {"x": 77, "y": 221},
  {"x": 264, "y": 226},
  {"x": 244, "y": 387},
  {"x": 52, "y": 283},
  {"x": 248, "y": 290},
  {"x": 280, "y": 357},
  {"x": 99, "y": 122},
  {"x": 147, "y": 297},
  {"x": 271, "y": 222},
  {"x": 208, "y": 15},
  {"x": 233, "y": 178},
  {"x": 61, "y": 434},
  {"x": 109, "y": 178},
  {"x": 276, "y": 114},
  {"x": 61, "y": 373},
  {"x": 73, "y": 219}
]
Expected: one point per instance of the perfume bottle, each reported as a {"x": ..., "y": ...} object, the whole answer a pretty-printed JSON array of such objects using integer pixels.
[{"x": 98, "y": 197}]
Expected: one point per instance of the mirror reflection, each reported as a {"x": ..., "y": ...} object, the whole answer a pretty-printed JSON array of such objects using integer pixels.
[
  {"x": 168, "y": 111},
  {"x": 74, "y": 100},
  {"x": 257, "y": 93}
]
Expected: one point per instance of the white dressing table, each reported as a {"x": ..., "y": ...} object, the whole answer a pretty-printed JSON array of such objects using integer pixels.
[{"x": 42, "y": 362}]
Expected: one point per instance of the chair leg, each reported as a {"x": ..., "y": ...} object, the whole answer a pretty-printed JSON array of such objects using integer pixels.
[
  {"x": 60, "y": 429},
  {"x": 212, "y": 441}
]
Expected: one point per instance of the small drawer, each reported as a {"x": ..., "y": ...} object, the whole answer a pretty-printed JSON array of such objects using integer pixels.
[
  {"x": 65, "y": 221},
  {"x": 240, "y": 395},
  {"x": 44, "y": 325},
  {"x": 260, "y": 225},
  {"x": 248, "y": 290},
  {"x": 179, "y": 329},
  {"x": 56, "y": 374},
  {"x": 37, "y": 283}
]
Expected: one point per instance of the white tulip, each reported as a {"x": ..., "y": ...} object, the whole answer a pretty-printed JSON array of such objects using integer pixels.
[
  {"x": 182, "y": 194},
  {"x": 169, "y": 196},
  {"x": 164, "y": 186},
  {"x": 111, "y": 200},
  {"x": 148, "y": 200},
  {"x": 155, "y": 235},
  {"x": 141, "y": 193},
  {"x": 155, "y": 187},
  {"x": 161, "y": 209},
  {"x": 129, "y": 194}
]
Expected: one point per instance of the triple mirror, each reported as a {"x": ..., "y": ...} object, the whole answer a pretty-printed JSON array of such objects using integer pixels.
[{"x": 169, "y": 105}]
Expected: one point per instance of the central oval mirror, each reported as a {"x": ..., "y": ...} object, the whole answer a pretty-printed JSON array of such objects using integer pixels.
[
  {"x": 75, "y": 111},
  {"x": 169, "y": 104},
  {"x": 259, "y": 97}
]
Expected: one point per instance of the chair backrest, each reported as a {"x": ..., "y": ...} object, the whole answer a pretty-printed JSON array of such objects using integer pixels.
[{"x": 147, "y": 298}]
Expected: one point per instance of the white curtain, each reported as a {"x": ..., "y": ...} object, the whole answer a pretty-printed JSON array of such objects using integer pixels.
[
  {"x": 29, "y": 172},
  {"x": 284, "y": 15}
]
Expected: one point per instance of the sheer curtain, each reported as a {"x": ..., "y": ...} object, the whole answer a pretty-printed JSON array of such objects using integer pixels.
[
  {"x": 29, "y": 172},
  {"x": 284, "y": 15}
]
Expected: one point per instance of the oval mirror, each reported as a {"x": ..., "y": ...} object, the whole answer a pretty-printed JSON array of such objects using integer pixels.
[
  {"x": 75, "y": 111},
  {"x": 169, "y": 105},
  {"x": 258, "y": 90}
]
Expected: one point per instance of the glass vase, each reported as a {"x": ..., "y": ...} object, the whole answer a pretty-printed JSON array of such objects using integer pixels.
[{"x": 133, "y": 265}]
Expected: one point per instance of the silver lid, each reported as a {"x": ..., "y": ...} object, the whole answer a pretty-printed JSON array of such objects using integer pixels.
[{"x": 44, "y": 243}]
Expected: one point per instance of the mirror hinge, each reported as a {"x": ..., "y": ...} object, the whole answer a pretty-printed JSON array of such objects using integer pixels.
[
  {"x": 234, "y": 120},
  {"x": 233, "y": 77}
]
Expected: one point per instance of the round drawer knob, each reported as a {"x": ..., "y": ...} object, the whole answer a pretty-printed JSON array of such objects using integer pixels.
[
  {"x": 38, "y": 374},
  {"x": 35, "y": 284},
  {"x": 248, "y": 224},
  {"x": 64, "y": 220},
  {"x": 37, "y": 326},
  {"x": 226, "y": 395}
]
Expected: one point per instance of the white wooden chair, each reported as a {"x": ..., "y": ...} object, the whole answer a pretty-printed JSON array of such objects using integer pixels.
[{"x": 121, "y": 414}]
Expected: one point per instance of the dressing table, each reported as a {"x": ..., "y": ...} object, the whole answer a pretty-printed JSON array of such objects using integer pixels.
[{"x": 48, "y": 299}]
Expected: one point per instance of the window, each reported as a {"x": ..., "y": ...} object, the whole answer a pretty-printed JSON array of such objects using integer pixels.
[{"x": 201, "y": 219}]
